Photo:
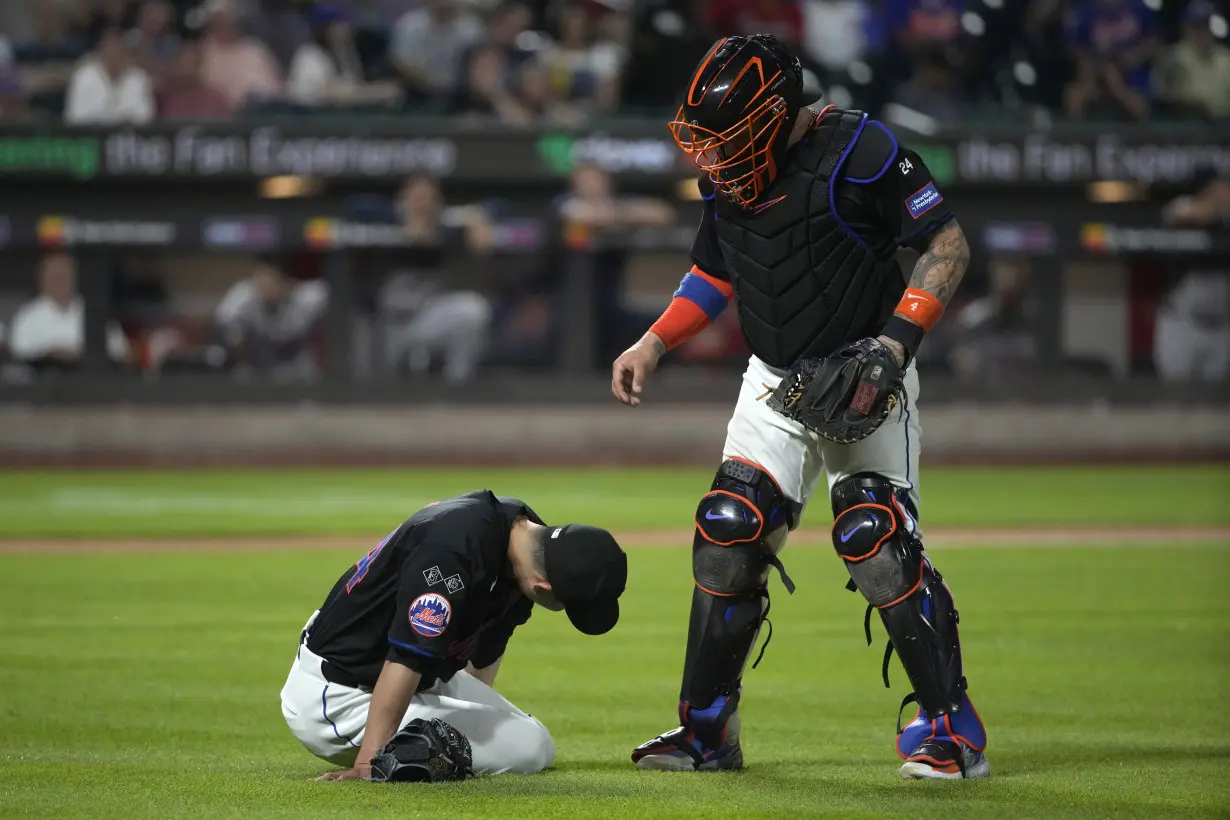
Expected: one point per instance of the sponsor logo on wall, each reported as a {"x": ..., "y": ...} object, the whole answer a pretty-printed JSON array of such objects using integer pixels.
[
  {"x": 1020, "y": 237},
  {"x": 560, "y": 153},
  {"x": 62, "y": 231},
  {"x": 246, "y": 233},
  {"x": 1099, "y": 237},
  {"x": 325, "y": 234}
]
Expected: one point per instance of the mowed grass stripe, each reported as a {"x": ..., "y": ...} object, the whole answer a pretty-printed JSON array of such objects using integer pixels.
[
  {"x": 99, "y": 504},
  {"x": 941, "y": 540}
]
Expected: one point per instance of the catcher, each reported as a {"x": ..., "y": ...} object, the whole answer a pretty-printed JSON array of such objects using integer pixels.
[
  {"x": 393, "y": 675},
  {"x": 805, "y": 208}
]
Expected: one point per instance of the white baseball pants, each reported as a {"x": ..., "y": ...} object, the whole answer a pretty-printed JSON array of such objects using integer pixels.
[
  {"x": 796, "y": 457},
  {"x": 329, "y": 719}
]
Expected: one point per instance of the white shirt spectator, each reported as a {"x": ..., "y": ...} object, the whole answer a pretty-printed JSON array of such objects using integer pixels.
[
  {"x": 314, "y": 76},
  {"x": 1198, "y": 76},
  {"x": 293, "y": 319},
  {"x": 434, "y": 48},
  {"x": 44, "y": 326},
  {"x": 1192, "y": 335},
  {"x": 311, "y": 74},
  {"x": 96, "y": 98},
  {"x": 833, "y": 31}
]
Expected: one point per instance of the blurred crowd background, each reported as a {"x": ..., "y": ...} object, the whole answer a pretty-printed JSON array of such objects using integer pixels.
[
  {"x": 564, "y": 61},
  {"x": 449, "y": 304}
]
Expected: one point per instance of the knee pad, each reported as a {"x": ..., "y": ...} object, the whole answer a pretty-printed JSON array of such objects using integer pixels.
[
  {"x": 739, "y": 523},
  {"x": 873, "y": 534}
]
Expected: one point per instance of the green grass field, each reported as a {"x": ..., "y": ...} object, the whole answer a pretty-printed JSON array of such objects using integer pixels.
[{"x": 145, "y": 684}]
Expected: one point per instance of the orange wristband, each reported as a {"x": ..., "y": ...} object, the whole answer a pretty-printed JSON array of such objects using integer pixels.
[{"x": 921, "y": 308}]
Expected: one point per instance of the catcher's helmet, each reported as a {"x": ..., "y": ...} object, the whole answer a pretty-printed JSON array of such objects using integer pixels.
[{"x": 736, "y": 118}]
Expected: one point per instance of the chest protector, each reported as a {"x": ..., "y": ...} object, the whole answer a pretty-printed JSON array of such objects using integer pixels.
[{"x": 805, "y": 283}]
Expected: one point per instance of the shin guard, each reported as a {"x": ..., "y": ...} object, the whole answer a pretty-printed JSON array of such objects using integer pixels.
[
  {"x": 873, "y": 534},
  {"x": 736, "y": 524}
]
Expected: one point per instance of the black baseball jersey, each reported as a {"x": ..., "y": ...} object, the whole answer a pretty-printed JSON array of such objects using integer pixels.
[
  {"x": 435, "y": 594},
  {"x": 813, "y": 266}
]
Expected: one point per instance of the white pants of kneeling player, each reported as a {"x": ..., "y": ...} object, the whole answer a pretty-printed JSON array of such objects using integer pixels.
[
  {"x": 797, "y": 458},
  {"x": 329, "y": 719}
]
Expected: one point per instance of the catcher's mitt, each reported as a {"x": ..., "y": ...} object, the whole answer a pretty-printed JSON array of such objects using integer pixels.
[
  {"x": 426, "y": 751},
  {"x": 844, "y": 397}
]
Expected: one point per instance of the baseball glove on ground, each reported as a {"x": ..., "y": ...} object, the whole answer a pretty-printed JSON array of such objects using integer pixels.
[
  {"x": 844, "y": 397},
  {"x": 426, "y": 751}
]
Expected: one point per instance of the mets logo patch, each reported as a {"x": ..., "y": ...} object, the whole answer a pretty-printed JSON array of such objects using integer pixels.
[
  {"x": 923, "y": 200},
  {"x": 430, "y": 614}
]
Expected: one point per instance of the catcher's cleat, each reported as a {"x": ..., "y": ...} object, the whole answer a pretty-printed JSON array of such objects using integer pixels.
[
  {"x": 949, "y": 747},
  {"x": 680, "y": 751},
  {"x": 937, "y": 759}
]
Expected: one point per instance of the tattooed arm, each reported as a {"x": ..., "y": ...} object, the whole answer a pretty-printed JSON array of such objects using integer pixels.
[{"x": 938, "y": 271}]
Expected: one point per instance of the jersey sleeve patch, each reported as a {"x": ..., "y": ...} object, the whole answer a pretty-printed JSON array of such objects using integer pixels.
[
  {"x": 923, "y": 200},
  {"x": 430, "y": 614}
]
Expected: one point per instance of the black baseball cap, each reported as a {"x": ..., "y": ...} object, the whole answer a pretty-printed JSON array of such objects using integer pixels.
[{"x": 587, "y": 571}]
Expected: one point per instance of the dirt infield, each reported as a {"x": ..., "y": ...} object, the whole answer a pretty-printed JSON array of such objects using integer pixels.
[{"x": 1031, "y": 537}]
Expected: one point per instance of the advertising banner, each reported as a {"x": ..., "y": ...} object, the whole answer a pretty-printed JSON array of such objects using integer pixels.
[{"x": 390, "y": 151}]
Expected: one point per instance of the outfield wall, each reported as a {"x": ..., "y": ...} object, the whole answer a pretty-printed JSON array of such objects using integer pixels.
[{"x": 674, "y": 433}]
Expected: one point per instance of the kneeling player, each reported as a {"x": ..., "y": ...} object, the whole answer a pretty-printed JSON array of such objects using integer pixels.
[{"x": 416, "y": 629}]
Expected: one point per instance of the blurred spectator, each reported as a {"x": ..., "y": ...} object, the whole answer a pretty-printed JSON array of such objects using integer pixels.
[
  {"x": 669, "y": 43},
  {"x": 510, "y": 21},
  {"x": 184, "y": 95},
  {"x": 327, "y": 70},
  {"x": 382, "y": 14},
  {"x": 54, "y": 40},
  {"x": 781, "y": 18},
  {"x": 266, "y": 323},
  {"x": 428, "y": 46},
  {"x": 1042, "y": 38},
  {"x": 1192, "y": 332},
  {"x": 281, "y": 25},
  {"x": 487, "y": 92},
  {"x": 424, "y": 318},
  {"x": 834, "y": 32},
  {"x": 97, "y": 17},
  {"x": 239, "y": 66},
  {"x": 596, "y": 220},
  {"x": 12, "y": 94},
  {"x": 1195, "y": 74},
  {"x": 994, "y": 334},
  {"x": 934, "y": 89},
  {"x": 582, "y": 70},
  {"x": 48, "y": 59},
  {"x": 1114, "y": 42},
  {"x": 153, "y": 38},
  {"x": 1208, "y": 207},
  {"x": 50, "y": 330},
  {"x": 924, "y": 26},
  {"x": 109, "y": 88}
]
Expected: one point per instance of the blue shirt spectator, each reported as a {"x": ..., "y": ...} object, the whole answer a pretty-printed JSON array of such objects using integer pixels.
[
  {"x": 1122, "y": 33},
  {"x": 924, "y": 24}
]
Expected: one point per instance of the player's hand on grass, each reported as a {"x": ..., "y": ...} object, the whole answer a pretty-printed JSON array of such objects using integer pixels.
[
  {"x": 357, "y": 773},
  {"x": 630, "y": 370}
]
